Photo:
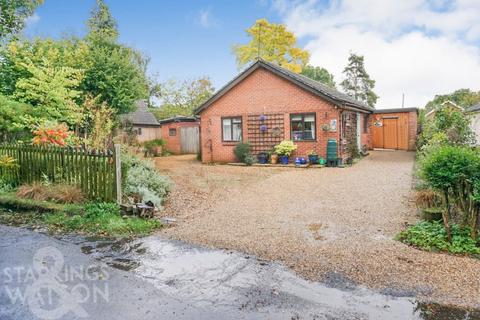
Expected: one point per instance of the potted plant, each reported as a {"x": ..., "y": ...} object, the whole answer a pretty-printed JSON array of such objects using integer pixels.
[
  {"x": 262, "y": 157},
  {"x": 312, "y": 156},
  {"x": 284, "y": 149},
  {"x": 274, "y": 158}
]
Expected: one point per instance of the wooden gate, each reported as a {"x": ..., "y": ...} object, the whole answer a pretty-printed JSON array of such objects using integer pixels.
[{"x": 189, "y": 140}]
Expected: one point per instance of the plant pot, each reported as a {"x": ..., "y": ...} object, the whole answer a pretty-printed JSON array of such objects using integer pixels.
[
  {"x": 274, "y": 158},
  {"x": 313, "y": 158},
  {"x": 284, "y": 159},
  {"x": 262, "y": 158}
]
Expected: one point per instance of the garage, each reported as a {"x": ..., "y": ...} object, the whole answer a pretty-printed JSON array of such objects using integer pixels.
[{"x": 395, "y": 129}]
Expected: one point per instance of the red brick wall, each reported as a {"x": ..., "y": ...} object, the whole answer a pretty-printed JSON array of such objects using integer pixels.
[
  {"x": 412, "y": 130},
  {"x": 264, "y": 92},
  {"x": 173, "y": 142},
  {"x": 366, "y": 137}
]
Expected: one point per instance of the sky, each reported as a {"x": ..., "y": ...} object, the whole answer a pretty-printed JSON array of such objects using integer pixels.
[{"x": 418, "y": 48}]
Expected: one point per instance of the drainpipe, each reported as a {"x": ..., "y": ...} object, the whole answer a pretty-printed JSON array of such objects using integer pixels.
[{"x": 359, "y": 132}]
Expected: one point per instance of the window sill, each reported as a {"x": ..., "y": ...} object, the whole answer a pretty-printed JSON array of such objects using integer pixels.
[{"x": 230, "y": 143}]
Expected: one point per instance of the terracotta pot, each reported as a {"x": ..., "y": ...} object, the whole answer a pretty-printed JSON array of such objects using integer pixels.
[{"x": 274, "y": 158}]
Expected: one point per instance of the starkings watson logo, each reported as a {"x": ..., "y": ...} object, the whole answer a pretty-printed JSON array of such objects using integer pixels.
[{"x": 52, "y": 289}]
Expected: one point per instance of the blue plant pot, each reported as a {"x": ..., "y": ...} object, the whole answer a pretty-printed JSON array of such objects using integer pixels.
[
  {"x": 313, "y": 158},
  {"x": 283, "y": 159},
  {"x": 262, "y": 158}
]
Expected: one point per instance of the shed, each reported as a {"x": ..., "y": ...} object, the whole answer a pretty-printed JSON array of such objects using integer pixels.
[
  {"x": 141, "y": 122},
  {"x": 395, "y": 128},
  {"x": 181, "y": 134}
]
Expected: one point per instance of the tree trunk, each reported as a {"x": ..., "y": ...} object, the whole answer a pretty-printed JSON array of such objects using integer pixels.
[
  {"x": 474, "y": 223},
  {"x": 446, "y": 217}
]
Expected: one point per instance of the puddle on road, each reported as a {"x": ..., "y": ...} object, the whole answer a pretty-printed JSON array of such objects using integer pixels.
[{"x": 226, "y": 279}]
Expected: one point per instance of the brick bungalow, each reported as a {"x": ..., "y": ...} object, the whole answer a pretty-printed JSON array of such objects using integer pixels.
[{"x": 289, "y": 106}]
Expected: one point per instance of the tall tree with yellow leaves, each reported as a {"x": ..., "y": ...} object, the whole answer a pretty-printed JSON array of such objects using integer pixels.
[{"x": 274, "y": 43}]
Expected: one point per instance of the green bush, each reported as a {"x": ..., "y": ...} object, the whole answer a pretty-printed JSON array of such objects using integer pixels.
[
  {"x": 150, "y": 147},
  {"x": 141, "y": 178},
  {"x": 101, "y": 219},
  {"x": 242, "y": 150},
  {"x": 455, "y": 173},
  {"x": 285, "y": 148},
  {"x": 249, "y": 159},
  {"x": 432, "y": 236}
]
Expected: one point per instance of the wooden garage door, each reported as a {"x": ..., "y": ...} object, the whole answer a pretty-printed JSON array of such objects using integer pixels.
[{"x": 390, "y": 131}]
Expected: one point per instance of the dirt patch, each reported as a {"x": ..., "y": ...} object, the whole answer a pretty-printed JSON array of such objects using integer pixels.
[{"x": 318, "y": 221}]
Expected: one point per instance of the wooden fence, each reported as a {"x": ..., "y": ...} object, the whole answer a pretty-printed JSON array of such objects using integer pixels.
[{"x": 93, "y": 171}]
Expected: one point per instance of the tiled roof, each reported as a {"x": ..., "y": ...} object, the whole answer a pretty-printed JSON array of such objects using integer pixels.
[
  {"x": 141, "y": 116},
  {"x": 320, "y": 89},
  {"x": 474, "y": 108}
]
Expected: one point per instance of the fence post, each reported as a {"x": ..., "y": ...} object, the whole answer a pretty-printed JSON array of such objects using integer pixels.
[{"x": 118, "y": 173}]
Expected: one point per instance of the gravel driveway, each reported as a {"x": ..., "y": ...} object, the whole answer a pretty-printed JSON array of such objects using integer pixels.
[{"x": 319, "y": 222}]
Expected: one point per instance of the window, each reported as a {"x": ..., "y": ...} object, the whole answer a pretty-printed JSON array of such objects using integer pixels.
[
  {"x": 139, "y": 131},
  {"x": 232, "y": 129},
  {"x": 172, "y": 132},
  {"x": 365, "y": 123},
  {"x": 302, "y": 126}
]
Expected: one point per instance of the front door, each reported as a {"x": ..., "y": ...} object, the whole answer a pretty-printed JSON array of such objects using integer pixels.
[{"x": 390, "y": 131}]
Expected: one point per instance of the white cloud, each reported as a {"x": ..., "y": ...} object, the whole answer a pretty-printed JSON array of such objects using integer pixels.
[
  {"x": 205, "y": 19},
  {"x": 33, "y": 19},
  {"x": 420, "y": 48}
]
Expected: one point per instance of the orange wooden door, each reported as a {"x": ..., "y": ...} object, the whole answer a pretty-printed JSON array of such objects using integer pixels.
[{"x": 390, "y": 133}]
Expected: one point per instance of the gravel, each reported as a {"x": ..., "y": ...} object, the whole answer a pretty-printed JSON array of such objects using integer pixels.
[{"x": 319, "y": 222}]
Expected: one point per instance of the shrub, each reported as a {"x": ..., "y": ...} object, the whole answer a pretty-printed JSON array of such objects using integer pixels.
[
  {"x": 141, "y": 178},
  {"x": 103, "y": 219},
  {"x": 285, "y": 148},
  {"x": 151, "y": 147},
  {"x": 249, "y": 159},
  {"x": 432, "y": 236},
  {"x": 50, "y": 133},
  {"x": 453, "y": 171},
  {"x": 35, "y": 191},
  {"x": 427, "y": 198},
  {"x": 65, "y": 193},
  {"x": 242, "y": 150},
  {"x": 61, "y": 193}
]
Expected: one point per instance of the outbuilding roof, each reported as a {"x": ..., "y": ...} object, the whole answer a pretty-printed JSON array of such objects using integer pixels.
[
  {"x": 178, "y": 119},
  {"x": 141, "y": 116},
  {"x": 474, "y": 108},
  {"x": 396, "y": 110},
  {"x": 338, "y": 98}
]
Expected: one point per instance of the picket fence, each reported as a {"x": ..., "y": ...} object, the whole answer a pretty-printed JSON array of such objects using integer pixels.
[{"x": 95, "y": 172}]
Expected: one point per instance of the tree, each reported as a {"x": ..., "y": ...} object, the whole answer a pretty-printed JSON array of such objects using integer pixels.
[
  {"x": 13, "y": 14},
  {"x": 462, "y": 97},
  {"x": 98, "y": 122},
  {"x": 357, "y": 82},
  {"x": 71, "y": 52},
  {"x": 115, "y": 75},
  {"x": 183, "y": 99},
  {"x": 274, "y": 43},
  {"x": 101, "y": 23},
  {"x": 319, "y": 74},
  {"x": 12, "y": 114},
  {"x": 53, "y": 90},
  {"x": 449, "y": 126}
]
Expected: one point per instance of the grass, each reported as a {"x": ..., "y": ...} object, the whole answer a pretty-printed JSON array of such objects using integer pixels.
[
  {"x": 99, "y": 219},
  {"x": 431, "y": 236}
]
